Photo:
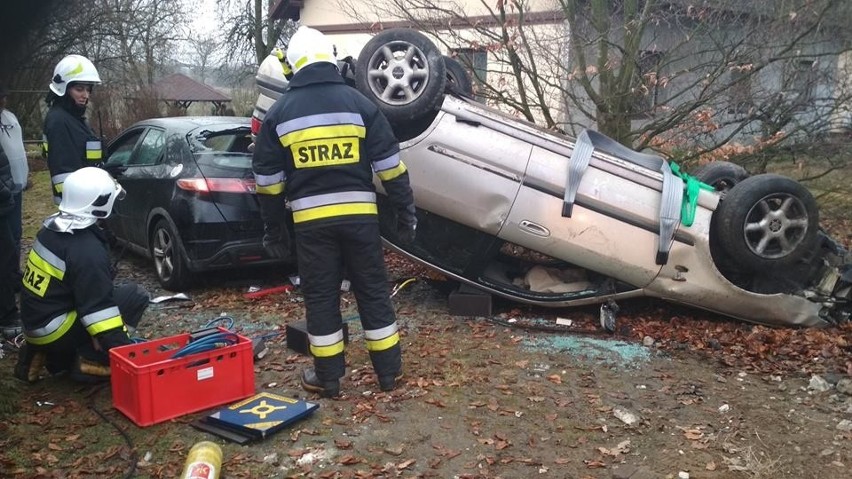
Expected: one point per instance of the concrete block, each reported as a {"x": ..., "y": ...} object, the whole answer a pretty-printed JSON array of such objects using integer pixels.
[
  {"x": 468, "y": 301},
  {"x": 297, "y": 336}
]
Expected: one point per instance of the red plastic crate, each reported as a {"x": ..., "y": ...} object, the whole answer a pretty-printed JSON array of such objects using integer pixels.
[{"x": 149, "y": 387}]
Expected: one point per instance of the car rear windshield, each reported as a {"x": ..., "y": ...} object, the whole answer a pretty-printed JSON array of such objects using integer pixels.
[{"x": 224, "y": 149}]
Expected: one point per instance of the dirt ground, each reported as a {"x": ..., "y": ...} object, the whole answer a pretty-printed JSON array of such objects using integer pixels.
[{"x": 672, "y": 394}]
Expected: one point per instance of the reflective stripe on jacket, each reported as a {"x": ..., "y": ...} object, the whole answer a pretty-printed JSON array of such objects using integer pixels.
[
  {"x": 70, "y": 144},
  {"x": 68, "y": 278},
  {"x": 324, "y": 141}
]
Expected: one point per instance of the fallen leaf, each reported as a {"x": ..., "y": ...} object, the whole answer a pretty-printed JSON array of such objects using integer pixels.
[
  {"x": 436, "y": 402},
  {"x": 711, "y": 466},
  {"x": 343, "y": 443},
  {"x": 349, "y": 460},
  {"x": 394, "y": 451},
  {"x": 405, "y": 464},
  {"x": 555, "y": 379}
]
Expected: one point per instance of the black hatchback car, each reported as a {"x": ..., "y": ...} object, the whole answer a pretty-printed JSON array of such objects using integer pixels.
[{"x": 190, "y": 202}]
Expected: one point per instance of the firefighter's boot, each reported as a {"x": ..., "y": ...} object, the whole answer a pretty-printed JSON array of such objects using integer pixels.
[
  {"x": 30, "y": 364},
  {"x": 326, "y": 389},
  {"x": 89, "y": 371},
  {"x": 389, "y": 383}
]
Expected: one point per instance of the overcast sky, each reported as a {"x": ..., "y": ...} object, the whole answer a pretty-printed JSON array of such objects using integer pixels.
[{"x": 205, "y": 22}]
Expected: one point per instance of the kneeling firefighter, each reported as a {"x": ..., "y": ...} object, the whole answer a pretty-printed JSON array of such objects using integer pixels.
[{"x": 72, "y": 313}]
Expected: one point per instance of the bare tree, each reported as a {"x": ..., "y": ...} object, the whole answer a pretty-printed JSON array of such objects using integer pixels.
[
  {"x": 205, "y": 51},
  {"x": 131, "y": 42},
  {"x": 683, "y": 77},
  {"x": 138, "y": 38},
  {"x": 251, "y": 33}
]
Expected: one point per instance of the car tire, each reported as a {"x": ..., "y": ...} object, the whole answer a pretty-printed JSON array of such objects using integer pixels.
[
  {"x": 722, "y": 175},
  {"x": 403, "y": 73},
  {"x": 458, "y": 80},
  {"x": 766, "y": 223},
  {"x": 169, "y": 262}
]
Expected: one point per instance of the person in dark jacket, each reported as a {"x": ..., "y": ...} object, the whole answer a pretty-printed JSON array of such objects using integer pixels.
[
  {"x": 324, "y": 141},
  {"x": 71, "y": 310},
  {"x": 69, "y": 142},
  {"x": 10, "y": 322}
]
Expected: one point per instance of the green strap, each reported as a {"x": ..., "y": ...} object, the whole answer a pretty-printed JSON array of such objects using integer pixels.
[{"x": 690, "y": 194}]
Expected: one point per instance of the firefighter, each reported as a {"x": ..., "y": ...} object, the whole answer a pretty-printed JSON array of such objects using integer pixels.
[
  {"x": 71, "y": 311},
  {"x": 324, "y": 141},
  {"x": 69, "y": 142}
]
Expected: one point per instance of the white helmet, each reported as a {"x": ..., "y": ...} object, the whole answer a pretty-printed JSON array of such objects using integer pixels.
[
  {"x": 308, "y": 46},
  {"x": 71, "y": 69},
  {"x": 89, "y": 193}
]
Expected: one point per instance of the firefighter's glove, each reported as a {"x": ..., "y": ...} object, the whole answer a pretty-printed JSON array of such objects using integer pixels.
[
  {"x": 276, "y": 242},
  {"x": 112, "y": 338},
  {"x": 406, "y": 230}
]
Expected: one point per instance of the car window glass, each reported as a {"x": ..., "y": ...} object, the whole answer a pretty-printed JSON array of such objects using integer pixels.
[
  {"x": 226, "y": 150},
  {"x": 150, "y": 149},
  {"x": 121, "y": 150}
]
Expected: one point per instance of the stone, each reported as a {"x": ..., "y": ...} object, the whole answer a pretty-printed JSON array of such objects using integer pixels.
[
  {"x": 818, "y": 384},
  {"x": 626, "y": 416},
  {"x": 648, "y": 341},
  {"x": 844, "y": 386},
  {"x": 844, "y": 425}
]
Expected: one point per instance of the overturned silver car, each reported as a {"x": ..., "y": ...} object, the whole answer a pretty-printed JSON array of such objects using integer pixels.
[{"x": 523, "y": 213}]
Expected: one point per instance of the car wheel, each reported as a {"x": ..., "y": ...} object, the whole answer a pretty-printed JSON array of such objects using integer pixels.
[
  {"x": 766, "y": 222},
  {"x": 403, "y": 72},
  {"x": 722, "y": 175},
  {"x": 168, "y": 257},
  {"x": 457, "y": 76}
]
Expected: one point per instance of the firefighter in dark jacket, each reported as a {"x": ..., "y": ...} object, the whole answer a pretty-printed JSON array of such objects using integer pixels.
[
  {"x": 324, "y": 140},
  {"x": 69, "y": 142},
  {"x": 72, "y": 313}
]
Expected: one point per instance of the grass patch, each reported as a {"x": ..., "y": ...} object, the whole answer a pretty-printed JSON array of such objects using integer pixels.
[{"x": 38, "y": 204}]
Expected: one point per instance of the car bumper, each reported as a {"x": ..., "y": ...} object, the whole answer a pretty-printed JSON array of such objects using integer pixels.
[{"x": 229, "y": 255}]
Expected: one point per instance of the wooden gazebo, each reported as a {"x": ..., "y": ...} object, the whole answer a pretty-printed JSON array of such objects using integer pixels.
[{"x": 181, "y": 91}]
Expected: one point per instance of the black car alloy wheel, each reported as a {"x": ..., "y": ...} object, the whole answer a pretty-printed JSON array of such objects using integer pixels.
[{"x": 168, "y": 257}]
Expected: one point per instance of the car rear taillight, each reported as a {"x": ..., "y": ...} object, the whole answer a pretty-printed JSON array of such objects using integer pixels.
[
  {"x": 217, "y": 185},
  {"x": 255, "y": 125}
]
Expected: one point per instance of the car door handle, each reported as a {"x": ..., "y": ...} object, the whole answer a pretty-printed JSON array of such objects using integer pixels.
[
  {"x": 534, "y": 228},
  {"x": 468, "y": 122}
]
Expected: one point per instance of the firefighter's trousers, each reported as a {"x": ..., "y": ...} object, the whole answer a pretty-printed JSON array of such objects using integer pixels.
[{"x": 325, "y": 254}]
